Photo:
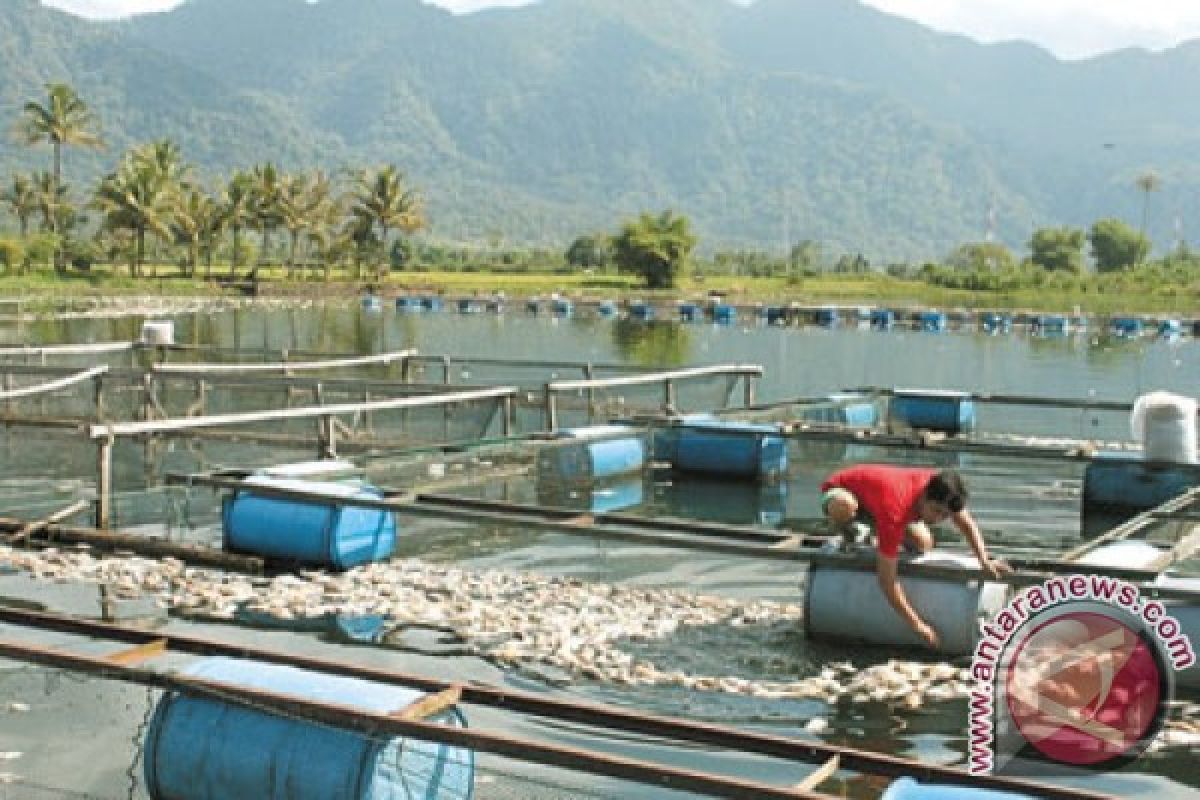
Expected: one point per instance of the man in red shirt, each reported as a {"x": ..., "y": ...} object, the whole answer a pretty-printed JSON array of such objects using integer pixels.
[{"x": 902, "y": 501}]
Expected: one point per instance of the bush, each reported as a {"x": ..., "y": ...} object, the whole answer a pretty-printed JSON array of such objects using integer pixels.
[{"x": 12, "y": 254}]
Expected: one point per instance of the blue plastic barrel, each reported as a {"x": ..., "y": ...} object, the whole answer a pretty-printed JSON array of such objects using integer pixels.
[
  {"x": 1126, "y": 327},
  {"x": 826, "y": 317},
  {"x": 533, "y": 306},
  {"x": 689, "y": 312},
  {"x": 607, "y": 308},
  {"x": 198, "y": 748},
  {"x": 992, "y": 322},
  {"x": 1170, "y": 329},
  {"x": 562, "y": 307},
  {"x": 495, "y": 305},
  {"x": 731, "y": 449},
  {"x": 1119, "y": 481},
  {"x": 883, "y": 319},
  {"x": 338, "y": 535},
  {"x": 777, "y": 315},
  {"x": 598, "y": 451},
  {"x": 431, "y": 303},
  {"x": 642, "y": 311},
  {"x": 372, "y": 304},
  {"x": 908, "y": 789},
  {"x": 724, "y": 314},
  {"x": 932, "y": 321},
  {"x": 1053, "y": 325},
  {"x": 467, "y": 305},
  {"x": 616, "y": 495},
  {"x": 408, "y": 304},
  {"x": 933, "y": 409}
]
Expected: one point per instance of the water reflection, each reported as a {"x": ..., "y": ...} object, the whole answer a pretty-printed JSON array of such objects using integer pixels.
[{"x": 653, "y": 343}]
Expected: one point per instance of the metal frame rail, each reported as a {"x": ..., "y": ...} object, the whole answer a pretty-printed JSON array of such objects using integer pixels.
[
  {"x": 149, "y": 644},
  {"x": 737, "y": 540},
  {"x": 747, "y": 372}
]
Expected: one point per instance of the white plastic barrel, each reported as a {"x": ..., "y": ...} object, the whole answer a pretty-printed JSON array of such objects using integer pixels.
[
  {"x": 1165, "y": 424},
  {"x": 158, "y": 332},
  {"x": 847, "y": 603}
]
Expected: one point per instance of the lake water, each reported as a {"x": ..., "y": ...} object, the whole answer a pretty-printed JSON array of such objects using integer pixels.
[{"x": 1025, "y": 505}]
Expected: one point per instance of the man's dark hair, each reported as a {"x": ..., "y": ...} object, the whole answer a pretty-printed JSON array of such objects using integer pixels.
[{"x": 947, "y": 488}]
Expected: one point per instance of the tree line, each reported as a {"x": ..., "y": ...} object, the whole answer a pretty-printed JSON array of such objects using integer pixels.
[
  {"x": 153, "y": 202},
  {"x": 153, "y": 197}
]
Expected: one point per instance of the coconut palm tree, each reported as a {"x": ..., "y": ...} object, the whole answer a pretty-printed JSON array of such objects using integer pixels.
[
  {"x": 304, "y": 202},
  {"x": 237, "y": 212},
  {"x": 381, "y": 198},
  {"x": 195, "y": 216},
  {"x": 21, "y": 200},
  {"x": 64, "y": 120},
  {"x": 1147, "y": 182},
  {"x": 266, "y": 185},
  {"x": 138, "y": 197}
]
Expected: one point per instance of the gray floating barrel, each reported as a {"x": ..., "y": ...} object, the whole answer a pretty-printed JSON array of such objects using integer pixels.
[
  {"x": 199, "y": 748},
  {"x": 322, "y": 533},
  {"x": 721, "y": 447},
  {"x": 1138, "y": 554},
  {"x": 847, "y": 603},
  {"x": 933, "y": 409}
]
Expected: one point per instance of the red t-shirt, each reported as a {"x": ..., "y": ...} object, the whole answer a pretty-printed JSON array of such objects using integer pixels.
[{"x": 889, "y": 494}]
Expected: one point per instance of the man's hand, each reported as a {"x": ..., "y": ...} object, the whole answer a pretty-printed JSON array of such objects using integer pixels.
[
  {"x": 995, "y": 567},
  {"x": 927, "y": 634}
]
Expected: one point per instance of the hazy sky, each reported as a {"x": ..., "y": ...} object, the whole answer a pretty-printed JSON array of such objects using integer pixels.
[{"x": 1069, "y": 28}]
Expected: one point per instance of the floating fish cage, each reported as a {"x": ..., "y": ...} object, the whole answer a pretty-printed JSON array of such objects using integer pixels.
[
  {"x": 933, "y": 409},
  {"x": 721, "y": 447},
  {"x": 1051, "y": 325},
  {"x": 689, "y": 312},
  {"x": 776, "y": 315},
  {"x": 562, "y": 307},
  {"x": 844, "y": 602},
  {"x": 494, "y": 305},
  {"x": 409, "y": 304},
  {"x": 932, "y": 321},
  {"x": 431, "y": 303},
  {"x": 598, "y": 451},
  {"x": 328, "y": 533},
  {"x": 826, "y": 317},
  {"x": 724, "y": 314},
  {"x": 1170, "y": 328},
  {"x": 995, "y": 323},
  {"x": 883, "y": 319},
  {"x": 850, "y": 410},
  {"x": 642, "y": 311},
  {"x": 733, "y": 502},
  {"x": 197, "y": 748},
  {"x": 1126, "y": 327},
  {"x": 158, "y": 332},
  {"x": 372, "y": 304},
  {"x": 466, "y": 305},
  {"x": 533, "y": 306},
  {"x": 607, "y": 308},
  {"x": 607, "y": 496}
]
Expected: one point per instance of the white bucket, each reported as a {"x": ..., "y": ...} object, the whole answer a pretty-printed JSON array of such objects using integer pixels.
[
  {"x": 158, "y": 332},
  {"x": 1165, "y": 424}
]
